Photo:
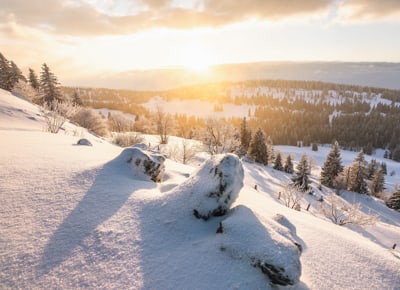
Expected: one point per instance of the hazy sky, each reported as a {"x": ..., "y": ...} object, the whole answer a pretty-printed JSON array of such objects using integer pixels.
[{"x": 81, "y": 37}]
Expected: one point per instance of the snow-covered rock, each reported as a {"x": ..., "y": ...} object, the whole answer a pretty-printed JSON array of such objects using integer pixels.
[
  {"x": 144, "y": 164},
  {"x": 212, "y": 189},
  {"x": 84, "y": 142},
  {"x": 245, "y": 237}
]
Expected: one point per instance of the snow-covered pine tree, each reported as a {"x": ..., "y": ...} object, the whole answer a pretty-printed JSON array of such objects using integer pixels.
[
  {"x": 357, "y": 175},
  {"x": 278, "y": 162},
  {"x": 394, "y": 201},
  {"x": 332, "y": 166},
  {"x": 33, "y": 79},
  {"x": 378, "y": 182},
  {"x": 49, "y": 86},
  {"x": 300, "y": 178},
  {"x": 288, "y": 168},
  {"x": 258, "y": 148},
  {"x": 245, "y": 136}
]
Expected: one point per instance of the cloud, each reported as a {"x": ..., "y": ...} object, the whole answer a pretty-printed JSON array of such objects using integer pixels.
[
  {"x": 370, "y": 9},
  {"x": 82, "y": 18}
]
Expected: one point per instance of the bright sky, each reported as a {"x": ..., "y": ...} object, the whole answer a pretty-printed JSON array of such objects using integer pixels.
[{"x": 82, "y": 37}]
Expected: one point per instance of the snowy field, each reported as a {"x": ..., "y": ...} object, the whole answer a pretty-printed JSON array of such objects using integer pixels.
[{"x": 74, "y": 217}]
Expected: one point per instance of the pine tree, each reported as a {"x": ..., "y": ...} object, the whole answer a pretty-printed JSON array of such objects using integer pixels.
[
  {"x": 5, "y": 74},
  {"x": 378, "y": 182},
  {"x": 15, "y": 74},
  {"x": 384, "y": 168},
  {"x": 76, "y": 99},
  {"x": 278, "y": 162},
  {"x": 314, "y": 147},
  {"x": 33, "y": 79},
  {"x": 258, "y": 148},
  {"x": 301, "y": 175},
  {"x": 394, "y": 201},
  {"x": 371, "y": 168},
  {"x": 357, "y": 175},
  {"x": 332, "y": 166},
  {"x": 49, "y": 86},
  {"x": 245, "y": 135},
  {"x": 288, "y": 168}
]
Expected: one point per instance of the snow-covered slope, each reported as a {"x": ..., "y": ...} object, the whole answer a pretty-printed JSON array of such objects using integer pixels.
[{"x": 74, "y": 217}]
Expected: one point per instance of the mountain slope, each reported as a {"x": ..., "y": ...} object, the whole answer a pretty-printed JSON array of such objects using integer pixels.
[{"x": 74, "y": 217}]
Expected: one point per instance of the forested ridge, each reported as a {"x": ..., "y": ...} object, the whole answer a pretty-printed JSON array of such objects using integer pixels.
[{"x": 288, "y": 111}]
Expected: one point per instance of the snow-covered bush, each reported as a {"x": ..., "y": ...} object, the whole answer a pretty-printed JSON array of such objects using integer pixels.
[
  {"x": 127, "y": 139},
  {"x": 212, "y": 189},
  {"x": 144, "y": 164},
  {"x": 265, "y": 245}
]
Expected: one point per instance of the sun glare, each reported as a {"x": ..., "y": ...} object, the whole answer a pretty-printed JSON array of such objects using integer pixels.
[{"x": 197, "y": 58}]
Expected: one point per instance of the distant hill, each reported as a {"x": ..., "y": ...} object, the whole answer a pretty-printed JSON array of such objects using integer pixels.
[{"x": 373, "y": 74}]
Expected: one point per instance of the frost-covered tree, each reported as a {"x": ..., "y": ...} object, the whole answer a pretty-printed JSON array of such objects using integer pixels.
[
  {"x": 288, "y": 168},
  {"x": 49, "y": 86},
  {"x": 258, "y": 148},
  {"x": 33, "y": 79},
  {"x": 245, "y": 135},
  {"x": 91, "y": 120},
  {"x": 278, "y": 162},
  {"x": 220, "y": 136},
  {"x": 377, "y": 183},
  {"x": 332, "y": 166},
  {"x": 300, "y": 179},
  {"x": 394, "y": 201},
  {"x": 164, "y": 124},
  {"x": 357, "y": 175}
]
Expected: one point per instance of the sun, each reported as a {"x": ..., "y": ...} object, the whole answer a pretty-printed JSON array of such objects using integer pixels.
[{"x": 197, "y": 58}]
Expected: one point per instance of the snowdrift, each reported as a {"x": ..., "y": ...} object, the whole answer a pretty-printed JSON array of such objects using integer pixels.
[
  {"x": 144, "y": 164},
  {"x": 214, "y": 187}
]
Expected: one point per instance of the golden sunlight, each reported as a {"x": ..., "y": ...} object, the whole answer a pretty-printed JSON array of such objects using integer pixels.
[{"x": 197, "y": 58}]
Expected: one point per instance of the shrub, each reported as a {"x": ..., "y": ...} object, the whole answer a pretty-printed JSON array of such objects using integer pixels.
[
  {"x": 127, "y": 139},
  {"x": 91, "y": 120}
]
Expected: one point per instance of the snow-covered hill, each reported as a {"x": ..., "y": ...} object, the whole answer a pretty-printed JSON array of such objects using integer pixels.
[{"x": 74, "y": 217}]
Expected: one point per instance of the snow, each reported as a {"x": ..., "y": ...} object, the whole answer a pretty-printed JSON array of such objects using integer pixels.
[{"x": 73, "y": 217}]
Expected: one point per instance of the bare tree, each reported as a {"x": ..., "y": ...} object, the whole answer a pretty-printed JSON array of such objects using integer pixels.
[
  {"x": 56, "y": 113},
  {"x": 185, "y": 151},
  {"x": 292, "y": 195},
  {"x": 163, "y": 123},
  {"x": 220, "y": 136},
  {"x": 343, "y": 214}
]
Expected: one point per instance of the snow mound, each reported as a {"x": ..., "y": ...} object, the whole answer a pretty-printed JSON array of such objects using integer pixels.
[
  {"x": 84, "y": 142},
  {"x": 214, "y": 187},
  {"x": 245, "y": 237},
  {"x": 144, "y": 164}
]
